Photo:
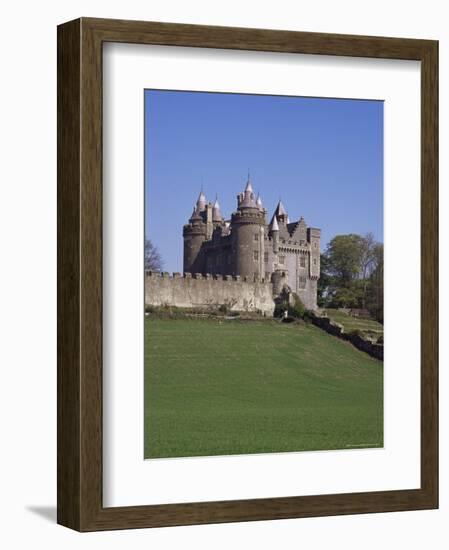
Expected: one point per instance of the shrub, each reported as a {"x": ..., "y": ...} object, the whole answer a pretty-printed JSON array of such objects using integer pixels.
[
  {"x": 380, "y": 340},
  {"x": 357, "y": 332},
  {"x": 279, "y": 310},
  {"x": 297, "y": 309},
  {"x": 308, "y": 316}
]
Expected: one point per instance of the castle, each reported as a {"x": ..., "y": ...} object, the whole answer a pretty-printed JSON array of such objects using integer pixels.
[{"x": 284, "y": 253}]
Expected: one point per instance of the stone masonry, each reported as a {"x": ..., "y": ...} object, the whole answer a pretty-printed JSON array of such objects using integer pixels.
[
  {"x": 284, "y": 253},
  {"x": 197, "y": 291}
]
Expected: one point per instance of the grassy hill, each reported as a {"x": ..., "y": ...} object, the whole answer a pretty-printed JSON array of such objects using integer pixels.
[
  {"x": 370, "y": 327},
  {"x": 217, "y": 387}
]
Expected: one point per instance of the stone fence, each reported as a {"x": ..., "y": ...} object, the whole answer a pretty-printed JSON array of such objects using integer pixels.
[
  {"x": 356, "y": 312},
  {"x": 200, "y": 291},
  {"x": 364, "y": 344}
]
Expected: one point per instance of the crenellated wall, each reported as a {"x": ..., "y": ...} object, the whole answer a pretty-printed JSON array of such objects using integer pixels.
[{"x": 196, "y": 290}]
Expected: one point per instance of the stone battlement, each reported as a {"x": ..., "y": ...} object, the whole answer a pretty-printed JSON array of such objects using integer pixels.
[
  {"x": 203, "y": 276},
  {"x": 205, "y": 290}
]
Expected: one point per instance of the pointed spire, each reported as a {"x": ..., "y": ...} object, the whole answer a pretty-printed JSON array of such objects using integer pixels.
[
  {"x": 259, "y": 202},
  {"x": 201, "y": 202},
  {"x": 216, "y": 213},
  {"x": 274, "y": 223},
  {"x": 195, "y": 214},
  {"x": 248, "y": 199},
  {"x": 280, "y": 210}
]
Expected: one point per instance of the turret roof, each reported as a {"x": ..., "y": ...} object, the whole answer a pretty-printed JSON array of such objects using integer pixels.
[
  {"x": 249, "y": 200},
  {"x": 216, "y": 213},
  {"x": 201, "y": 202},
  {"x": 195, "y": 214},
  {"x": 274, "y": 223},
  {"x": 280, "y": 210}
]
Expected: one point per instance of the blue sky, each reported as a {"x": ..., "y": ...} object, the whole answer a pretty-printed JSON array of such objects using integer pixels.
[{"x": 323, "y": 157}]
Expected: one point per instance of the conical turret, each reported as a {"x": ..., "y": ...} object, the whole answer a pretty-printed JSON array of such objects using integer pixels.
[
  {"x": 194, "y": 234},
  {"x": 195, "y": 215},
  {"x": 274, "y": 233},
  {"x": 248, "y": 226},
  {"x": 247, "y": 199},
  {"x": 201, "y": 202},
  {"x": 216, "y": 212}
]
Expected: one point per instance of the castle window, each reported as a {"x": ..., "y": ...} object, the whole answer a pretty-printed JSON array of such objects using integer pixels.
[
  {"x": 314, "y": 245},
  {"x": 282, "y": 260},
  {"x": 301, "y": 282},
  {"x": 265, "y": 257},
  {"x": 256, "y": 255},
  {"x": 314, "y": 261},
  {"x": 267, "y": 276},
  {"x": 302, "y": 261},
  {"x": 256, "y": 236}
]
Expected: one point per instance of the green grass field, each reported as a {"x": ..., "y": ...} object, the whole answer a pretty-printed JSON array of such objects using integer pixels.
[
  {"x": 217, "y": 387},
  {"x": 371, "y": 327}
]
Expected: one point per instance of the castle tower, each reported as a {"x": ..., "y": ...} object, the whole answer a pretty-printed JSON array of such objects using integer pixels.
[
  {"x": 217, "y": 218},
  {"x": 274, "y": 234},
  {"x": 194, "y": 234},
  {"x": 313, "y": 238},
  {"x": 248, "y": 235}
]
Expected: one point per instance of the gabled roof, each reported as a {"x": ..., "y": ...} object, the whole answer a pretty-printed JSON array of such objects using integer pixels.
[{"x": 292, "y": 227}]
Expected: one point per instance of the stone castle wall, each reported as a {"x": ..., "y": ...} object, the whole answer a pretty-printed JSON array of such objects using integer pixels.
[{"x": 206, "y": 290}]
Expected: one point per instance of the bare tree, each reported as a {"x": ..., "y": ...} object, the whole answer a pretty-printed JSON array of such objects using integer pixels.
[{"x": 153, "y": 259}]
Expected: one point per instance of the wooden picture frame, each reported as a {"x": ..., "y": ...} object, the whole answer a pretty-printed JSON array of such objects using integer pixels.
[{"x": 80, "y": 504}]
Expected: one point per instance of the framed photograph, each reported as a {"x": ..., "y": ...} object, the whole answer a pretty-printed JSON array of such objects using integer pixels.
[{"x": 247, "y": 274}]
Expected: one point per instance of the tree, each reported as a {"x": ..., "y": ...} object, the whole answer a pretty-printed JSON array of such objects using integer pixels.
[
  {"x": 153, "y": 259},
  {"x": 344, "y": 257},
  {"x": 375, "y": 295},
  {"x": 324, "y": 283},
  {"x": 368, "y": 246},
  {"x": 352, "y": 273}
]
